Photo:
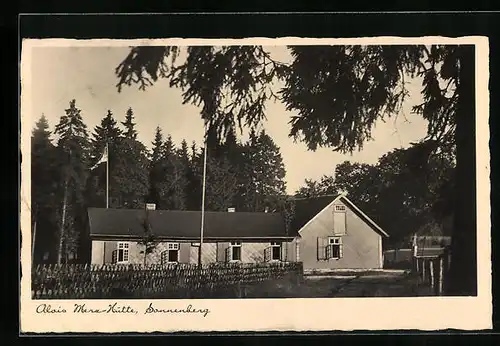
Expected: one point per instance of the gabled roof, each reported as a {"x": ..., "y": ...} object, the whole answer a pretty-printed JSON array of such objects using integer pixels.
[
  {"x": 185, "y": 224},
  {"x": 218, "y": 225},
  {"x": 306, "y": 210}
]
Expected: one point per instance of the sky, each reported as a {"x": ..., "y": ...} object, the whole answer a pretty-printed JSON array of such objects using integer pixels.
[{"x": 87, "y": 74}]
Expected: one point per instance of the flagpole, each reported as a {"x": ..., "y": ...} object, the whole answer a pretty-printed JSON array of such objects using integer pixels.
[
  {"x": 107, "y": 175},
  {"x": 203, "y": 199}
]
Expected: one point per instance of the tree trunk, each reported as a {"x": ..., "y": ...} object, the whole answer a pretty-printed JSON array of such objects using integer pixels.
[
  {"x": 63, "y": 221},
  {"x": 33, "y": 232},
  {"x": 463, "y": 268}
]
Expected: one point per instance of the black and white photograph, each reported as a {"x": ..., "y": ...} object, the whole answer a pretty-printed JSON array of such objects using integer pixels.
[{"x": 251, "y": 171}]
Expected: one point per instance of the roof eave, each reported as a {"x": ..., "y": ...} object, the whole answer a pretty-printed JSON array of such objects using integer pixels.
[{"x": 96, "y": 236}]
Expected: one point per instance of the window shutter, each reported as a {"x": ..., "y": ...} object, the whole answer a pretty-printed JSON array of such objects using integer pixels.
[
  {"x": 267, "y": 254},
  {"x": 184, "y": 252},
  {"x": 341, "y": 250},
  {"x": 114, "y": 256},
  {"x": 164, "y": 257},
  {"x": 318, "y": 246},
  {"x": 221, "y": 251},
  {"x": 283, "y": 252},
  {"x": 322, "y": 242},
  {"x": 289, "y": 255},
  {"x": 109, "y": 247}
]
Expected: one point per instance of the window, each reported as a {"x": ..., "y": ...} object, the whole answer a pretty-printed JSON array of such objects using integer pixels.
[
  {"x": 339, "y": 220},
  {"x": 275, "y": 251},
  {"x": 334, "y": 249},
  {"x": 171, "y": 255},
  {"x": 235, "y": 251},
  {"x": 120, "y": 255},
  {"x": 340, "y": 208}
]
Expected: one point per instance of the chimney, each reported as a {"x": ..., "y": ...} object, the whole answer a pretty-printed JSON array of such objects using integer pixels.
[
  {"x": 231, "y": 210},
  {"x": 150, "y": 206}
]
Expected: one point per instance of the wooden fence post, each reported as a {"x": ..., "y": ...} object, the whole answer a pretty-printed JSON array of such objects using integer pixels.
[
  {"x": 431, "y": 271},
  {"x": 423, "y": 269},
  {"x": 441, "y": 272}
]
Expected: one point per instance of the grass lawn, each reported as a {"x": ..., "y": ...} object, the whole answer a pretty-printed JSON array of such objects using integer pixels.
[{"x": 355, "y": 284}]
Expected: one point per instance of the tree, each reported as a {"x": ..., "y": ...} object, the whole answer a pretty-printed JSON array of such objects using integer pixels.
[
  {"x": 73, "y": 144},
  {"x": 128, "y": 165},
  {"x": 194, "y": 180},
  {"x": 286, "y": 206},
  {"x": 45, "y": 190},
  {"x": 268, "y": 172},
  {"x": 171, "y": 187},
  {"x": 339, "y": 92},
  {"x": 359, "y": 180},
  {"x": 155, "y": 169},
  {"x": 221, "y": 182},
  {"x": 130, "y": 174},
  {"x": 108, "y": 132},
  {"x": 130, "y": 132},
  {"x": 188, "y": 177},
  {"x": 390, "y": 192},
  {"x": 149, "y": 240}
]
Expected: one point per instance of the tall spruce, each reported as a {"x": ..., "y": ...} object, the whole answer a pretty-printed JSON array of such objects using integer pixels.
[
  {"x": 155, "y": 168},
  {"x": 221, "y": 183},
  {"x": 130, "y": 132},
  {"x": 131, "y": 171},
  {"x": 107, "y": 133},
  {"x": 45, "y": 192},
  {"x": 73, "y": 144},
  {"x": 187, "y": 174},
  {"x": 194, "y": 180},
  {"x": 172, "y": 185},
  {"x": 262, "y": 184}
]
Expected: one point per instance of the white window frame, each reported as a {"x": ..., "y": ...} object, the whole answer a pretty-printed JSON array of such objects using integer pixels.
[
  {"x": 232, "y": 245},
  {"x": 340, "y": 208},
  {"x": 335, "y": 240},
  {"x": 171, "y": 247},
  {"x": 124, "y": 247},
  {"x": 275, "y": 244}
]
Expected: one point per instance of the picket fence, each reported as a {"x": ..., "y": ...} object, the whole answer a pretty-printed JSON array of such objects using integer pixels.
[
  {"x": 76, "y": 281},
  {"x": 433, "y": 271}
]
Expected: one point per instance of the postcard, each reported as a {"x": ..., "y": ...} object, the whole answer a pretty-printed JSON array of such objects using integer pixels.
[{"x": 258, "y": 184}]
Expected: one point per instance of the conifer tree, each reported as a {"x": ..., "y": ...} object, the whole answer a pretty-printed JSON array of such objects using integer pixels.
[
  {"x": 262, "y": 182},
  {"x": 155, "y": 167},
  {"x": 129, "y": 124},
  {"x": 73, "y": 144},
  {"x": 45, "y": 191},
  {"x": 172, "y": 186},
  {"x": 107, "y": 133}
]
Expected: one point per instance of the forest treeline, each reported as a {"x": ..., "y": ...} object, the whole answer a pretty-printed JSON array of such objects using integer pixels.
[
  {"x": 399, "y": 192},
  {"x": 249, "y": 176}
]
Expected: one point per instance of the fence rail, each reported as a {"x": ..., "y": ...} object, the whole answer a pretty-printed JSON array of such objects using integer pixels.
[{"x": 73, "y": 281}]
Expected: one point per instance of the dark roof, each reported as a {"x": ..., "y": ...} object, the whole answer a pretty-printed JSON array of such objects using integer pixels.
[
  {"x": 185, "y": 224},
  {"x": 306, "y": 209}
]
